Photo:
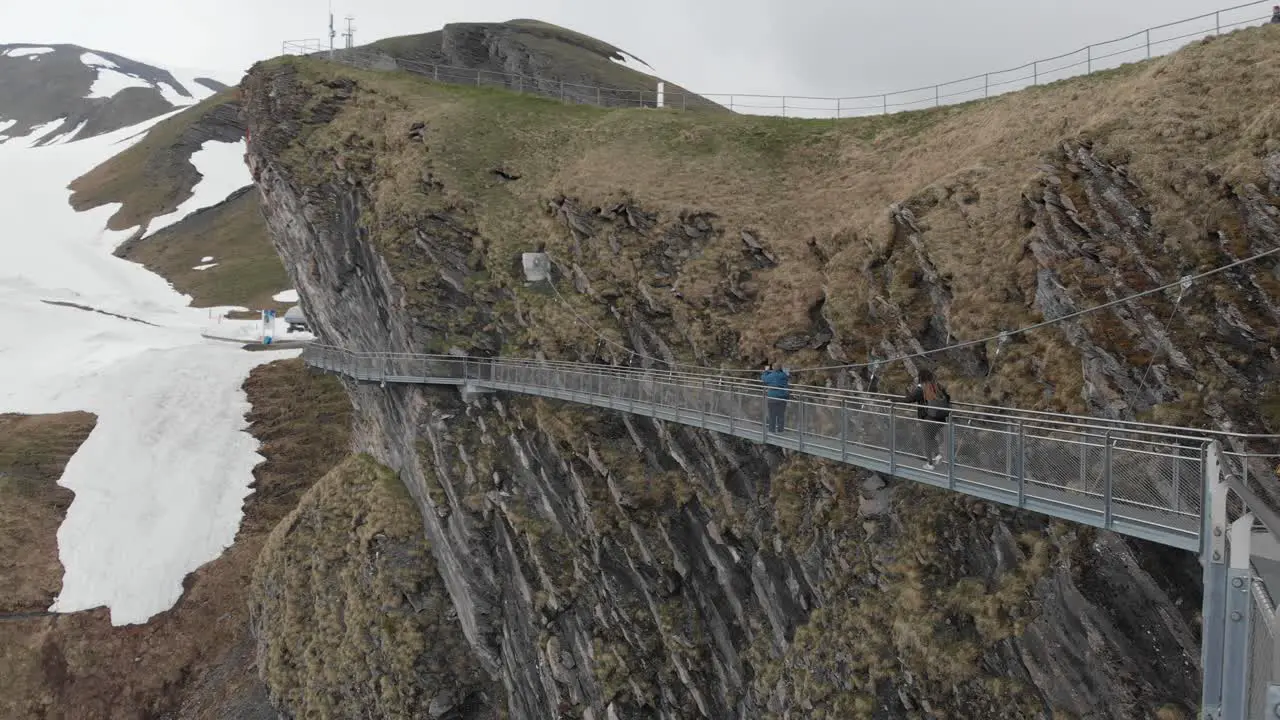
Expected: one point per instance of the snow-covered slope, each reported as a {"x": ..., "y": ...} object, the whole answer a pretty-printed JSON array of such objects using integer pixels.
[
  {"x": 160, "y": 481},
  {"x": 88, "y": 92},
  {"x": 111, "y": 79}
]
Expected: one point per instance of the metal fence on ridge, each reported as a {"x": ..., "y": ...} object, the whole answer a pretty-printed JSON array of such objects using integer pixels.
[{"x": 1142, "y": 45}]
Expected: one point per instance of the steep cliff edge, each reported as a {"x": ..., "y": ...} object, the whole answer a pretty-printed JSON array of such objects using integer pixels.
[{"x": 607, "y": 566}]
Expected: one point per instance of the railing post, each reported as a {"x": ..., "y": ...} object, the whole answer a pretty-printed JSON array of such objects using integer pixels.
[
  {"x": 844, "y": 429},
  {"x": 671, "y": 382},
  {"x": 1106, "y": 482},
  {"x": 951, "y": 452},
  {"x": 1213, "y": 556},
  {"x": 1236, "y": 643},
  {"x": 1148, "y": 43},
  {"x": 884, "y": 100},
  {"x": 731, "y": 103},
  {"x": 1035, "y": 72},
  {"x": 800, "y": 424},
  {"x": 479, "y": 79},
  {"x": 703, "y": 405},
  {"x": 764, "y": 416},
  {"x": 598, "y": 102},
  {"x": 986, "y": 86},
  {"x": 1177, "y": 477},
  {"x": 837, "y": 108},
  {"x": 1021, "y": 464},
  {"x": 1084, "y": 466},
  {"x": 562, "y": 91},
  {"x": 784, "y": 106},
  {"x": 1089, "y": 58},
  {"x": 435, "y": 73},
  {"x": 937, "y": 95},
  {"x": 1217, "y": 21},
  {"x": 893, "y": 438}
]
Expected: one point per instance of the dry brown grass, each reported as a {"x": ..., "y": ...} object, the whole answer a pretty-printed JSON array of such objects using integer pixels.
[
  {"x": 195, "y": 660},
  {"x": 248, "y": 271},
  {"x": 352, "y": 618},
  {"x": 34, "y": 450},
  {"x": 146, "y": 178},
  {"x": 962, "y": 169}
]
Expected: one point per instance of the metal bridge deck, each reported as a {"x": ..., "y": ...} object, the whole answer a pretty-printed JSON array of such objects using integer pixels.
[{"x": 1125, "y": 478}]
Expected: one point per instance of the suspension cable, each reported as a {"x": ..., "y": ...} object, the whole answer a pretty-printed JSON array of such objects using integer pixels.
[
  {"x": 1001, "y": 336},
  {"x": 1183, "y": 286}
]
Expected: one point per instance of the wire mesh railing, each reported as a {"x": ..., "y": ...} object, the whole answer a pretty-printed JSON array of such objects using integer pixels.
[
  {"x": 1262, "y": 649},
  {"x": 1141, "y": 480},
  {"x": 1135, "y": 47},
  {"x": 1144, "y": 481}
]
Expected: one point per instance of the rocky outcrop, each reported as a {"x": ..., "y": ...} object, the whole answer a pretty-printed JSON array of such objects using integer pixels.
[
  {"x": 527, "y": 56},
  {"x": 349, "y": 613},
  {"x": 604, "y": 566}
]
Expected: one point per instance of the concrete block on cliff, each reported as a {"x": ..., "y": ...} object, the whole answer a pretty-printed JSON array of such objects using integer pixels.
[{"x": 537, "y": 267}]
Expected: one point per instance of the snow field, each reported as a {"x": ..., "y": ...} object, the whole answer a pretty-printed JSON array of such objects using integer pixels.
[
  {"x": 286, "y": 296},
  {"x": 29, "y": 52},
  {"x": 111, "y": 80},
  {"x": 223, "y": 171},
  {"x": 160, "y": 481}
]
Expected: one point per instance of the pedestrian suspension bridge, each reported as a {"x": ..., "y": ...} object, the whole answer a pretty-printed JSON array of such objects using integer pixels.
[{"x": 1200, "y": 491}]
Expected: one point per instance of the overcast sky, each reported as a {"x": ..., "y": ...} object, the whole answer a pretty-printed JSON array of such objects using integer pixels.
[{"x": 797, "y": 47}]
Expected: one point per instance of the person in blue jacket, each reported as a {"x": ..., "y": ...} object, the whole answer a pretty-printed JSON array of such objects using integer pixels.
[{"x": 777, "y": 380}]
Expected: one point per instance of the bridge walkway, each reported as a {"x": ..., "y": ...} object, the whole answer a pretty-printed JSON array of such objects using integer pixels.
[{"x": 1196, "y": 490}]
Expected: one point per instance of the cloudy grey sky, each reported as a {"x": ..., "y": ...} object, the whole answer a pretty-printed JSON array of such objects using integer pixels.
[{"x": 798, "y": 47}]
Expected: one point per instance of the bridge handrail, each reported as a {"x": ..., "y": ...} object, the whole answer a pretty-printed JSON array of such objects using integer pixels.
[
  {"x": 1036, "y": 418},
  {"x": 1184, "y": 491}
]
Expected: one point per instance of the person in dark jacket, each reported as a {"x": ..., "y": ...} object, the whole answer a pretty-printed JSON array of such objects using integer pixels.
[
  {"x": 934, "y": 404},
  {"x": 1275, "y": 14},
  {"x": 777, "y": 380}
]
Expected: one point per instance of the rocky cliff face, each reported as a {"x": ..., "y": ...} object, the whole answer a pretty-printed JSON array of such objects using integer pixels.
[{"x": 608, "y": 566}]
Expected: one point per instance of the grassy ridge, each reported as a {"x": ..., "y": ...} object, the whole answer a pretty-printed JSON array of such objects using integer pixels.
[{"x": 34, "y": 450}]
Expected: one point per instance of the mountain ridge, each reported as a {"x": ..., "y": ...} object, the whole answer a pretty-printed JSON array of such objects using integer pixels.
[{"x": 66, "y": 92}]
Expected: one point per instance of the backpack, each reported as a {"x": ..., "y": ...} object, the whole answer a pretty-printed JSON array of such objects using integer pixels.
[{"x": 937, "y": 400}]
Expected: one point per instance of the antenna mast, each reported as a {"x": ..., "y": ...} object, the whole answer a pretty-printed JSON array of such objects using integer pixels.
[
  {"x": 332, "y": 33},
  {"x": 350, "y": 34}
]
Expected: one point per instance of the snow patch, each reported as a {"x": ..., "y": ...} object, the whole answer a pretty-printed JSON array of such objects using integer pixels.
[
  {"x": 287, "y": 296},
  {"x": 628, "y": 60},
  {"x": 205, "y": 266},
  {"x": 206, "y": 258},
  {"x": 159, "y": 484},
  {"x": 94, "y": 60},
  {"x": 31, "y": 52},
  {"x": 69, "y": 136},
  {"x": 109, "y": 82},
  {"x": 33, "y": 136},
  {"x": 173, "y": 97},
  {"x": 222, "y": 170}
]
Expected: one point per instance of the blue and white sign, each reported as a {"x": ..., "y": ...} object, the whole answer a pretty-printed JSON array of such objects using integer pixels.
[{"x": 268, "y": 326}]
